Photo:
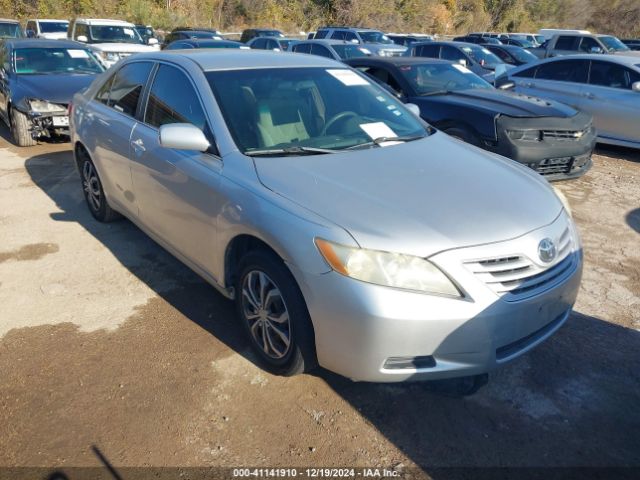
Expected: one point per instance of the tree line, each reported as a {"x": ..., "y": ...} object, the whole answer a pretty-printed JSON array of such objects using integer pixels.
[{"x": 618, "y": 17}]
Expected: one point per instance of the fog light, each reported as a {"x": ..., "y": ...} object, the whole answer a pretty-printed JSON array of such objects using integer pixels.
[{"x": 403, "y": 363}]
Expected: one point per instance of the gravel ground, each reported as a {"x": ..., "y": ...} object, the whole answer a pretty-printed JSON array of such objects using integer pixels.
[{"x": 106, "y": 341}]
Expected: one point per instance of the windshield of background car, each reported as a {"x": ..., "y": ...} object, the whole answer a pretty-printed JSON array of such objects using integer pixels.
[
  {"x": 613, "y": 43},
  {"x": 53, "y": 27},
  {"x": 431, "y": 78},
  {"x": 332, "y": 108},
  {"x": 375, "y": 37},
  {"x": 350, "y": 51},
  {"x": 522, "y": 55},
  {"x": 483, "y": 56},
  {"x": 10, "y": 30},
  {"x": 114, "y": 34},
  {"x": 146, "y": 31},
  {"x": 36, "y": 61}
]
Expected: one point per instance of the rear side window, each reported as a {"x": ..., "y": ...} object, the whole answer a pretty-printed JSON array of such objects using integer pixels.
[
  {"x": 302, "y": 48},
  {"x": 321, "y": 34},
  {"x": 564, "y": 71},
  {"x": 612, "y": 75},
  {"x": 321, "y": 50},
  {"x": 588, "y": 43},
  {"x": 172, "y": 99},
  {"x": 127, "y": 87},
  {"x": 451, "y": 53},
  {"x": 338, "y": 35},
  {"x": 350, "y": 36},
  {"x": 103, "y": 94},
  {"x": 566, "y": 43},
  {"x": 430, "y": 51}
]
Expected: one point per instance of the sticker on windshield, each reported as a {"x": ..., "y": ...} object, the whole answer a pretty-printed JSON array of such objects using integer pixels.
[
  {"x": 379, "y": 130},
  {"x": 74, "y": 53},
  {"x": 461, "y": 68},
  {"x": 347, "y": 77}
]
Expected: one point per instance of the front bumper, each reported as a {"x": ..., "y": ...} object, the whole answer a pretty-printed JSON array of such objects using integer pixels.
[
  {"x": 555, "y": 154},
  {"x": 46, "y": 124},
  {"x": 359, "y": 327}
]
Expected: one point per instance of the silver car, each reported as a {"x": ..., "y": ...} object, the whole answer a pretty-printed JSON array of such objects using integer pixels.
[
  {"x": 349, "y": 233},
  {"x": 606, "y": 86}
]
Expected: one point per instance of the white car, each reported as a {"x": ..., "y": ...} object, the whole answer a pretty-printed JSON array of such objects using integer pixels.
[
  {"x": 111, "y": 40},
  {"x": 47, "y": 28}
]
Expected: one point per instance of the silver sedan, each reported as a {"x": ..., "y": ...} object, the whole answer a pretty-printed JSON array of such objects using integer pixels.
[
  {"x": 606, "y": 86},
  {"x": 349, "y": 233}
]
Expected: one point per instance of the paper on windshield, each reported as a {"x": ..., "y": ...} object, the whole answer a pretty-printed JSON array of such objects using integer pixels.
[
  {"x": 378, "y": 130},
  {"x": 74, "y": 53},
  {"x": 128, "y": 31},
  {"x": 347, "y": 77},
  {"x": 461, "y": 68}
]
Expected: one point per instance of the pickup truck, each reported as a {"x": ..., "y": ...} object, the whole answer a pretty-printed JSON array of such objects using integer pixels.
[{"x": 572, "y": 44}]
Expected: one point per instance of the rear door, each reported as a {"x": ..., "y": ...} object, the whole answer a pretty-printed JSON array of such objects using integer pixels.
[
  {"x": 614, "y": 105},
  {"x": 561, "y": 80},
  {"x": 177, "y": 190}
]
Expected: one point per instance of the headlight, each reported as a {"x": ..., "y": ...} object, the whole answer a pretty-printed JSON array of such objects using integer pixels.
[
  {"x": 524, "y": 135},
  {"x": 42, "y": 106},
  {"x": 110, "y": 56},
  {"x": 389, "y": 269},
  {"x": 384, "y": 53}
]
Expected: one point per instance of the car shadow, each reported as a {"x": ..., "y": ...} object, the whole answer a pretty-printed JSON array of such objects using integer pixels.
[
  {"x": 633, "y": 219},
  {"x": 622, "y": 153},
  {"x": 573, "y": 401}
]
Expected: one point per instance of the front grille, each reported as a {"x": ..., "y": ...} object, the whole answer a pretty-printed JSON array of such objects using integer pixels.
[
  {"x": 551, "y": 166},
  {"x": 515, "y": 277},
  {"x": 518, "y": 346},
  {"x": 564, "y": 135}
]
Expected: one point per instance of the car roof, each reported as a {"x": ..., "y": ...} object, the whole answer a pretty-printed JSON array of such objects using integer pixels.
[
  {"x": 103, "y": 21},
  {"x": 629, "y": 61},
  {"x": 8, "y": 20},
  {"x": 43, "y": 43},
  {"x": 329, "y": 41},
  {"x": 207, "y": 41},
  {"x": 233, "y": 59},
  {"x": 453, "y": 44},
  {"x": 44, "y": 20},
  {"x": 399, "y": 61}
]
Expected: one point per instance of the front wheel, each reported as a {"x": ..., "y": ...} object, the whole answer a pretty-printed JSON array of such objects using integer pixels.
[
  {"x": 21, "y": 129},
  {"x": 274, "y": 315},
  {"x": 93, "y": 191}
]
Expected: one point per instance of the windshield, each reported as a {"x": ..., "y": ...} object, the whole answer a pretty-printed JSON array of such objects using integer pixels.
[
  {"x": 442, "y": 77},
  {"x": 614, "y": 44},
  {"x": 145, "y": 31},
  {"x": 53, "y": 27},
  {"x": 327, "y": 108},
  {"x": 114, "y": 34},
  {"x": 36, "y": 61},
  {"x": 374, "y": 37},
  {"x": 522, "y": 55},
  {"x": 350, "y": 51},
  {"x": 483, "y": 56},
  {"x": 10, "y": 30}
]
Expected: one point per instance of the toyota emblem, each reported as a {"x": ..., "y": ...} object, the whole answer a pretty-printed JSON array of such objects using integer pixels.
[{"x": 547, "y": 250}]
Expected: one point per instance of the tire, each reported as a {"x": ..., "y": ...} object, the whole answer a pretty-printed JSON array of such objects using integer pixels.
[
  {"x": 20, "y": 129},
  {"x": 93, "y": 191},
  {"x": 264, "y": 269},
  {"x": 463, "y": 134}
]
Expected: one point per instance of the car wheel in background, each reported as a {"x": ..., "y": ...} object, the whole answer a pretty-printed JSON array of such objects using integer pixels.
[
  {"x": 21, "y": 129},
  {"x": 93, "y": 191},
  {"x": 463, "y": 134},
  {"x": 274, "y": 314}
]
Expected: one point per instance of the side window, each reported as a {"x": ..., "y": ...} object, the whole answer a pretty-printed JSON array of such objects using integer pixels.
[
  {"x": 272, "y": 44},
  {"x": 350, "y": 36},
  {"x": 321, "y": 34},
  {"x": 31, "y": 26},
  {"x": 588, "y": 43},
  {"x": 81, "y": 29},
  {"x": 127, "y": 87},
  {"x": 564, "y": 71},
  {"x": 612, "y": 75},
  {"x": 528, "y": 73},
  {"x": 430, "y": 51},
  {"x": 451, "y": 53},
  {"x": 321, "y": 50},
  {"x": 502, "y": 55},
  {"x": 338, "y": 35},
  {"x": 302, "y": 48},
  {"x": 567, "y": 43},
  {"x": 259, "y": 43},
  {"x": 103, "y": 94},
  {"x": 172, "y": 99}
]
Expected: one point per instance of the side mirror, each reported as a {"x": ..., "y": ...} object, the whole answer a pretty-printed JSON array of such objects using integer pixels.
[
  {"x": 152, "y": 41},
  {"x": 82, "y": 38},
  {"x": 183, "y": 136},
  {"x": 413, "y": 108},
  {"x": 507, "y": 85},
  {"x": 635, "y": 86},
  {"x": 595, "y": 50}
]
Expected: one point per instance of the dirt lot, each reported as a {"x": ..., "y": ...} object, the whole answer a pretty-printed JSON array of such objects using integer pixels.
[{"x": 107, "y": 341}]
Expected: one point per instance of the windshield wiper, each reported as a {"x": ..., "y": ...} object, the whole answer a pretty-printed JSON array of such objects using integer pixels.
[
  {"x": 377, "y": 141},
  {"x": 435, "y": 92},
  {"x": 289, "y": 151}
]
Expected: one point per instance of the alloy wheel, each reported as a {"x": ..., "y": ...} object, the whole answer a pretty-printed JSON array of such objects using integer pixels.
[{"x": 91, "y": 185}]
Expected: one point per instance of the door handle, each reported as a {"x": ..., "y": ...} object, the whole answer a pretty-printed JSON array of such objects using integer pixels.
[{"x": 138, "y": 145}]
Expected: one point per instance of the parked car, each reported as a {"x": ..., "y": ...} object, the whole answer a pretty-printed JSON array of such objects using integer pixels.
[
  {"x": 373, "y": 40},
  {"x": 251, "y": 33},
  {"x": 549, "y": 33},
  {"x": 47, "y": 28},
  {"x": 204, "y": 43},
  {"x": 512, "y": 55},
  {"x": 535, "y": 38},
  {"x": 632, "y": 43},
  {"x": 10, "y": 29},
  {"x": 271, "y": 43},
  {"x": 407, "y": 39},
  {"x": 605, "y": 86},
  {"x": 475, "y": 57},
  {"x": 518, "y": 43},
  {"x": 571, "y": 44},
  {"x": 460, "y": 103},
  {"x": 348, "y": 232},
  {"x": 335, "y": 49},
  {"x": 478, "y": 40},
  {"x": 111, "y": 40},
  {"x": 189, "y": 34},
  {"x": 37, "y": 81}
]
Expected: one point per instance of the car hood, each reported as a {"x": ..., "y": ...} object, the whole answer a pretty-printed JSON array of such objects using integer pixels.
[
  {"x": 419, "y": 197},
  {"x": 384, "y": 46},
  {"x": 502, "y": 102},
  {"x": 54, "y": 35},
  {"x": 631, "y": 53},
  {"x": 123, "y": 47},
  {"x": 50, "y": 87}
]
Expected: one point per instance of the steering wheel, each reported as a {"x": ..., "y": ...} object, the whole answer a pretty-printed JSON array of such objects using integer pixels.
[{"x": 336, "y": 118}]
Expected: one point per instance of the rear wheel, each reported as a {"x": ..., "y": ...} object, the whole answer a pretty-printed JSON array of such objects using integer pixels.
[
  {"x": 274, "y": 314},
  {"x": 93, "y": 191},
  {"x": 21, "y": 129}
]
